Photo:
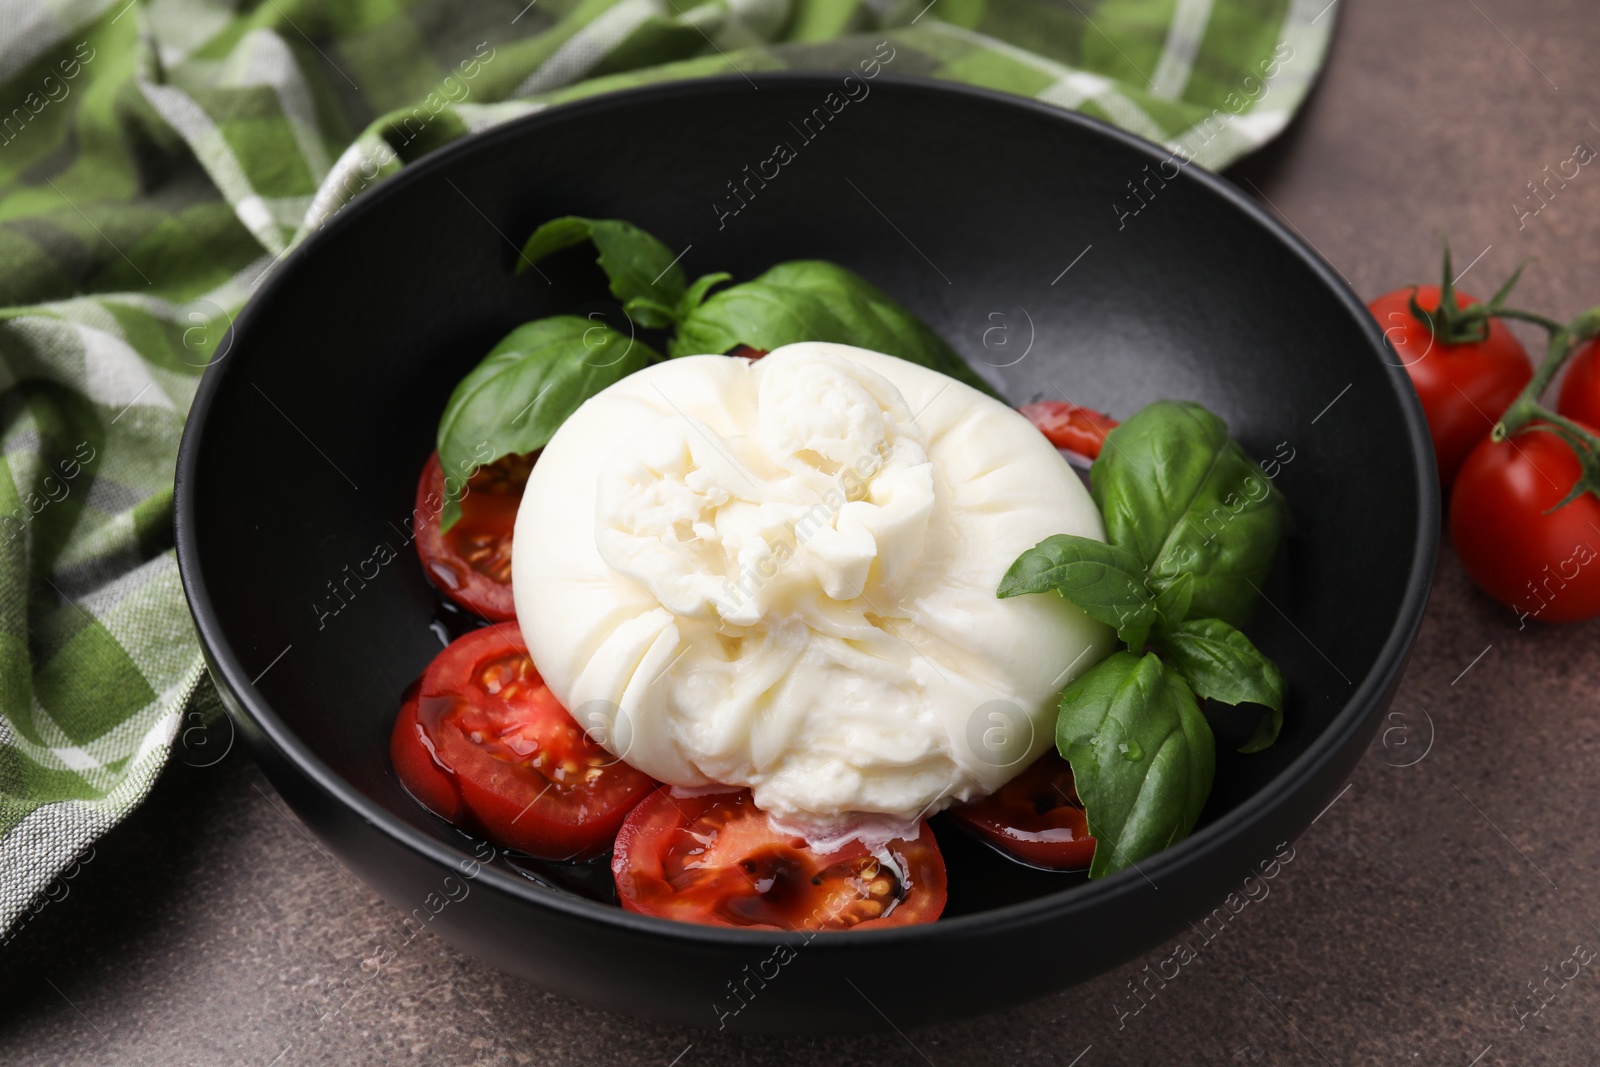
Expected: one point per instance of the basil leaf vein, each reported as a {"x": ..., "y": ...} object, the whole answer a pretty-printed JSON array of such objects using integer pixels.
[{"x": 1174, "y": 598}]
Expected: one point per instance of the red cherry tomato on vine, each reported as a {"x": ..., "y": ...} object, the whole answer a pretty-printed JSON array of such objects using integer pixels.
[
  {"x": 1036, "y": 817},
  {"x": 1542, "y": 566},
  {"x": 1580, "y": 389},
  {"x": 482, "y": 742},
  {"x": 471, "y": 564},
  {"x": 1080, "y": 430},
  {"x": 1464, "y": 388},
  {"x": 714, "y": 859}
]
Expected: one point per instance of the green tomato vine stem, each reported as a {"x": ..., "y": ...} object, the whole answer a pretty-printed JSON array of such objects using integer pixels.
[
  {"x": 1527, "y": 413},
  {"x": 1452, "y": 324}
]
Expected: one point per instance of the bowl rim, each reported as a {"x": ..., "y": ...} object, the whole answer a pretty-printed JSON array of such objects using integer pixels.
[{"x": 1058, "y": 905}]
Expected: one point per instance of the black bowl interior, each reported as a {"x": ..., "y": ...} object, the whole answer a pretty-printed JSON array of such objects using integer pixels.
[{"x": 1008, "y": 226}]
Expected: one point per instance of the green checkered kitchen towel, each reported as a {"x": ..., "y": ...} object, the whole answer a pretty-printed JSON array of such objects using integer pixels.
[{"x": 158, "y": 156}]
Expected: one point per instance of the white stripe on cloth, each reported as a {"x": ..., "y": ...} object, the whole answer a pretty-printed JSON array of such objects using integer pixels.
[
  {"x": 178, "y": 30},
  {"x": 347, "y": 179},
  {"x": 1130, "y": 116},
  {"x": 136, "y": 611},
  {"x": 89, "y": 311},
  {"x": 1184, "y": 35},
  {"x": 32, "y": 29},
  {"x": 185, "y": 115},
  {"x": 1069, "y": 85},
  {"x": 1307, "y": 28},
  {"x": 370, "y": 153},
  {"x": 263, "y": 58},
  {"x": 479, "y": 117},
  {"x": 588, "y": 46},
  {"x": 201, "y": 320},
  {"x": 96, "y": 761},
  {"x": 113, "y": 374},
  {"x": 1221, "y": 135},
  {"x": 742, "y": 23},
  {"x": 58, "y": 753},
  {"x": 45, "y": 843},
  {"x": 1074, "y": 88}
]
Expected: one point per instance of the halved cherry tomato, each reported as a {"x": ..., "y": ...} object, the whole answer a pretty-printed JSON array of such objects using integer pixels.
[
  {"x": 1080, "y": 430},
  {"x": 472, "y": 563},
  {"x": 411, "y": 753},
  {"x": 1580, "y": 388},
  {"x": 714, "y": 859},
  {"x": 1036, "y": 817},
  {"x": 485, "y": 744},
  {"x": 1464, "y": 388},
  {"x": 1542, "y": 564}
]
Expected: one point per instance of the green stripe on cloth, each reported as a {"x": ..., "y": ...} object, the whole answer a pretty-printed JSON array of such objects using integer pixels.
[{"x": 157, "y": 157}]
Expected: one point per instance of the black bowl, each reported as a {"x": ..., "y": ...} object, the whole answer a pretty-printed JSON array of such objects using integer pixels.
[{"x": 1007, "y": 225}]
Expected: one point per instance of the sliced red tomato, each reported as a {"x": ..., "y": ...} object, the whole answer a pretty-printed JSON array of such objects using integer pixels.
[
  {"x": 746, "y": 352},
  {"x": 483, "y": 743},
  {"x": 714, "y": 859},
  {"x": 1080, "y": 430},
  {"x": 472, "y": 562},
  {"x": 1036, "y": 817},
  {"x": 411, "y": 752}
]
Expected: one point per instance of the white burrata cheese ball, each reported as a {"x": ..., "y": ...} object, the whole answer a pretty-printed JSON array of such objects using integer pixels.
[{"x": 781, "y": 574}]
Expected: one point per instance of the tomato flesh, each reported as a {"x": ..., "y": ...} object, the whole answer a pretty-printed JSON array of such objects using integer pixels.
[
  {"x": 1068, "y": 426},
  {"x": 1036, "y": 817},
  {"x": 714, "y": 859},
  {"x": 1540, "y": 563},
  {"x": 747, "y": 352},
  {"x": 471, "y": 564},
  {"x": 483, "y": 743},
  {"x": 1464, "y": 388}
]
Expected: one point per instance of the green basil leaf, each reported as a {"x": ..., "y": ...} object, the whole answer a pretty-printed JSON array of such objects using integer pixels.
[
  {"x": 1142, "y": 757},
  {"x": 1182, "y": 495},
  {"x": 552, "y": 237},
  {"x": 644, "y": 273},
  {"x": 1105, "y": 581},
  {"x": 525, "y": 388},
  {"x": 811, "y": 300},
  {"x": 650, "y": 313},
  {"x": 1265, "y": 734},
  {"x": 1173, "y": 598},
  {"x": 695, "y": 295},
  {"x": 1220, "y": 663}
]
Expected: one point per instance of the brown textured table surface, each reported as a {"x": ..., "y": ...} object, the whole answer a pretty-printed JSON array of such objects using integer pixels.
[{"x": 1409, "y": 925}]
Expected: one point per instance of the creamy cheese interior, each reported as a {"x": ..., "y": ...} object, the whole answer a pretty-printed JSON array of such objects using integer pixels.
[{"x": 782, "y": 575}]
